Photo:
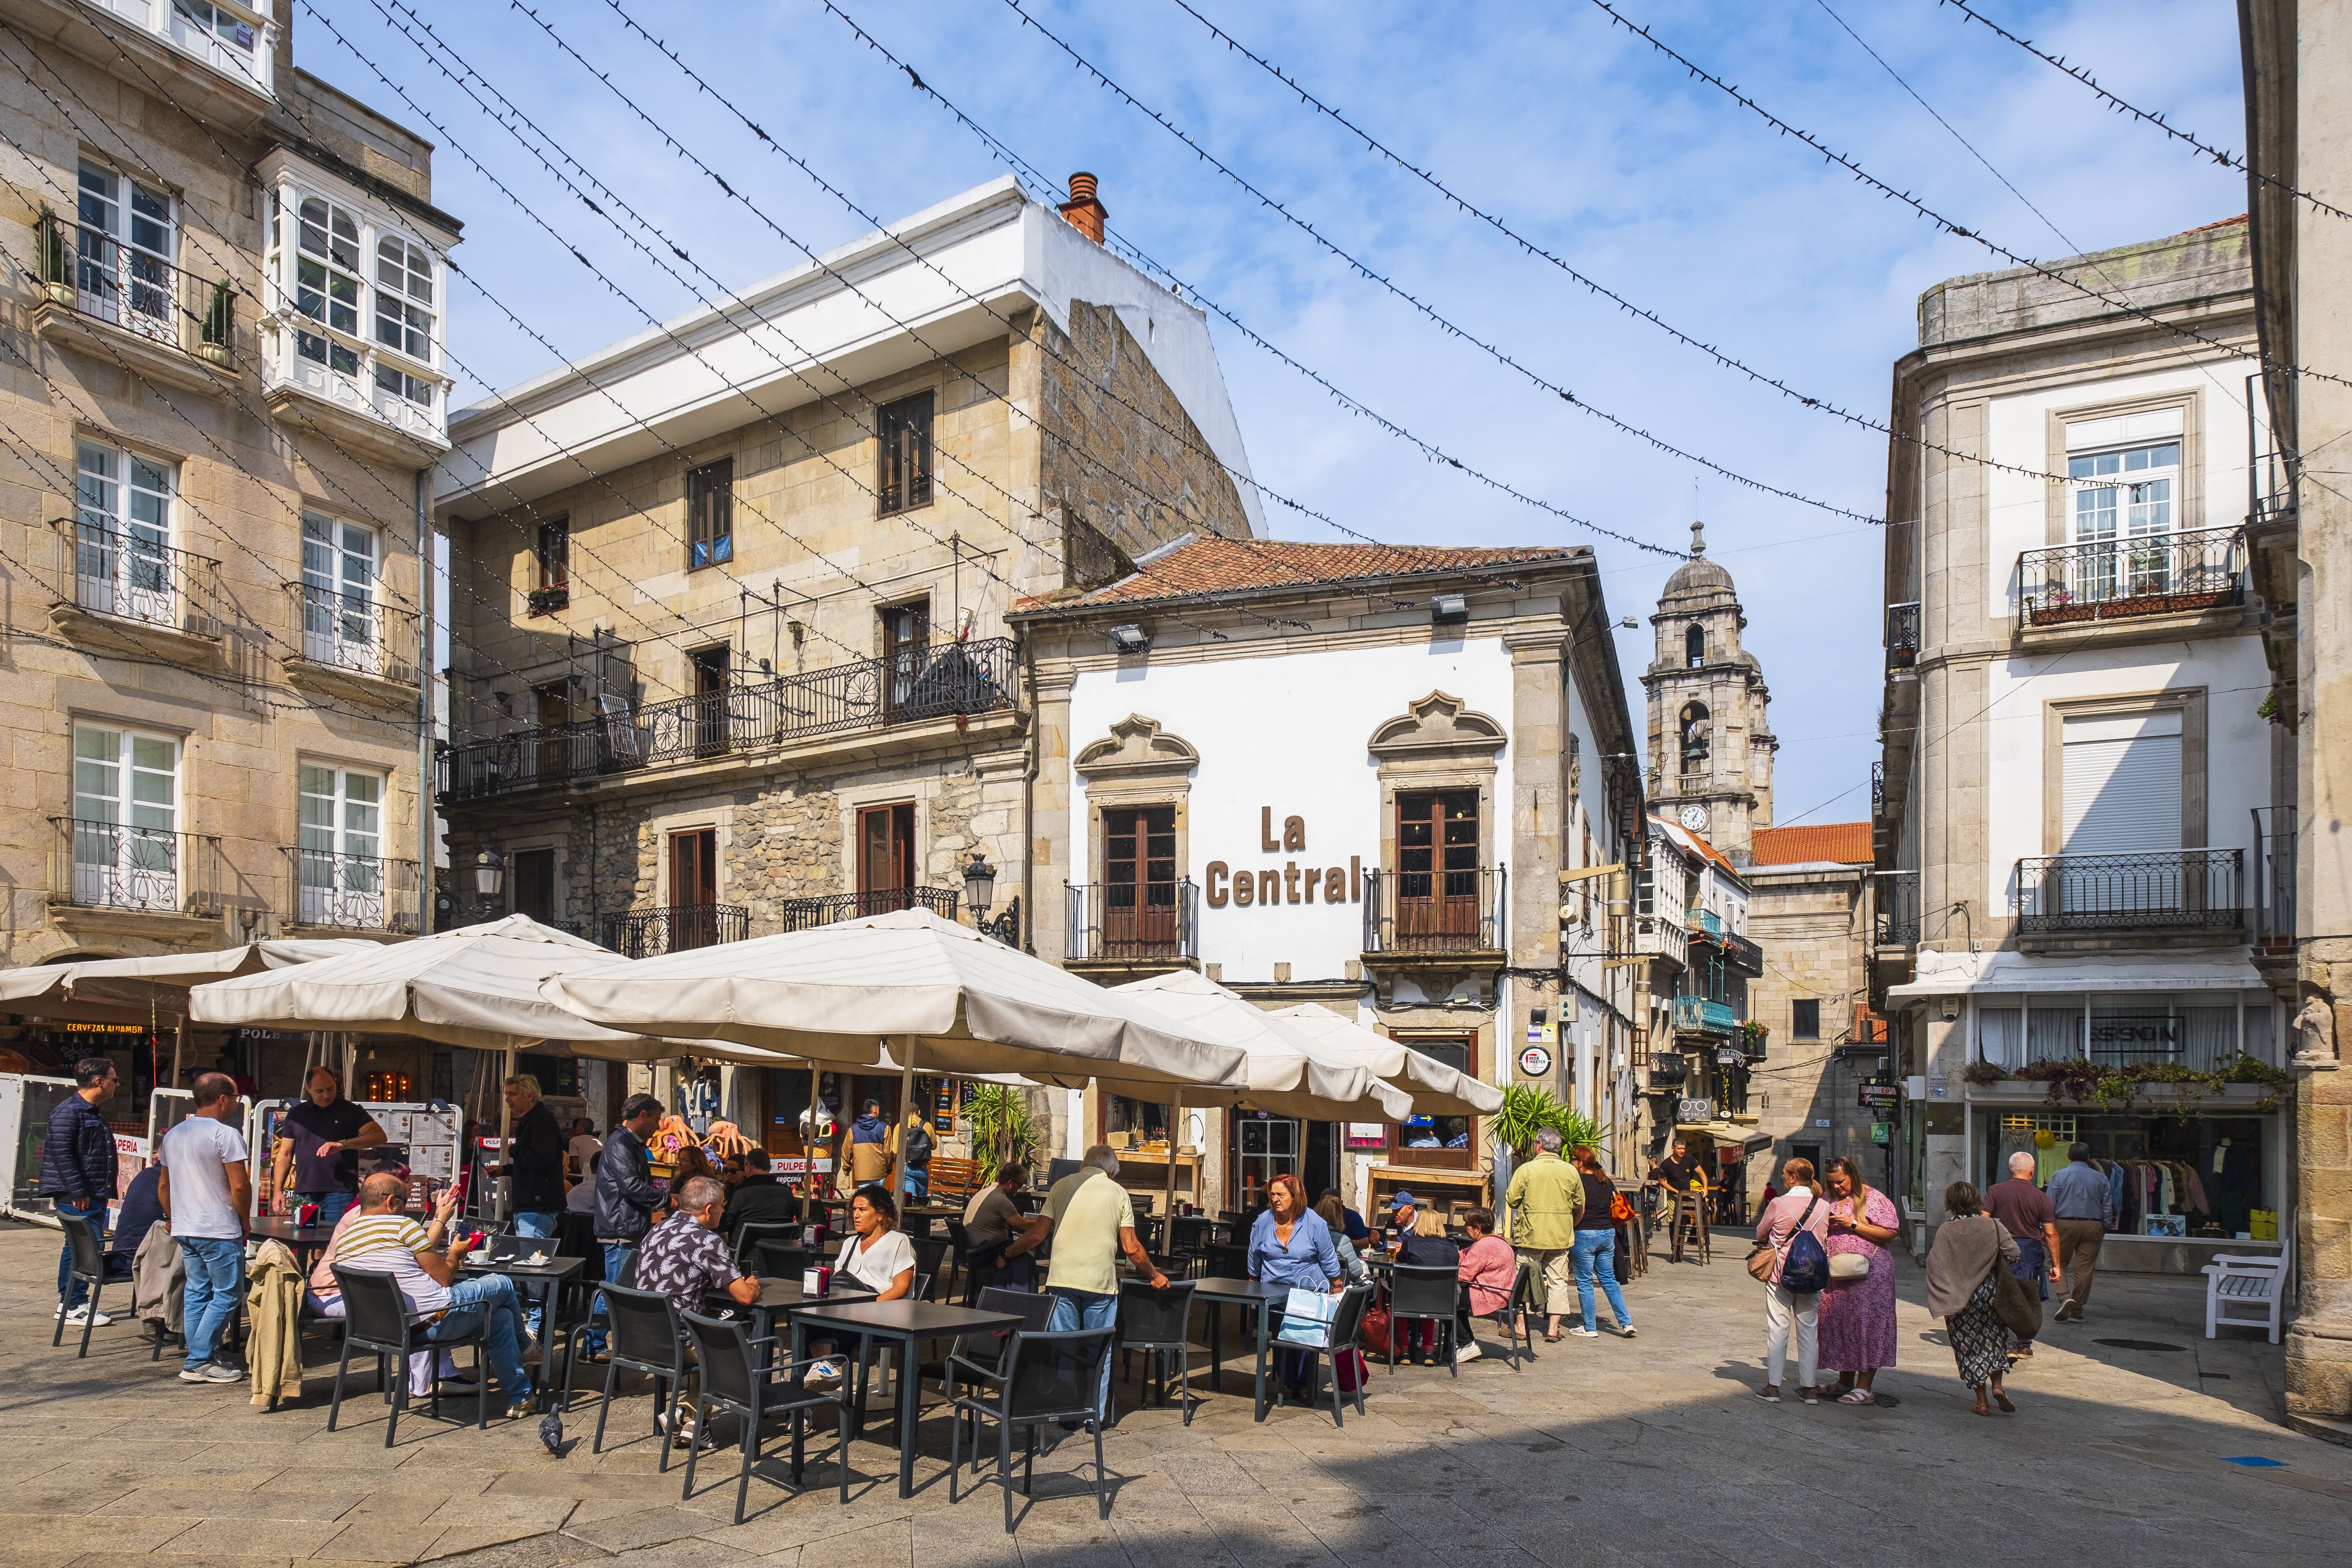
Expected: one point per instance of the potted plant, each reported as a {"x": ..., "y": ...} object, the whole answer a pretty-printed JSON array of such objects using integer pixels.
[
  {"x": 217, "y": 333},
  {"x": 1000, "y": 1132},
  {"x": 1527, "y": 1110},
  {"x": 546, "y": 601},
  {"x": 57, "y": 265}
]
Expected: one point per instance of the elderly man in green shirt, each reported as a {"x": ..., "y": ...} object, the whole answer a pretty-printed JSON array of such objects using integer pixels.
[{"x": 1546, "y": 1195}]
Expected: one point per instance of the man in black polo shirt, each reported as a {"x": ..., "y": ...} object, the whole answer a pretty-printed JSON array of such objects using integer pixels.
[
  {"x": 760, "y": 1198},
  {"x": 1676, "y": 1175},
  {"x": 316, "y": 1158}
]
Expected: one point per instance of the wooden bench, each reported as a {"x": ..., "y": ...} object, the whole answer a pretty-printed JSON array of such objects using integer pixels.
[
  {"x": 2240, "y": 1283},
  {"x": 953, "y": 1180}
]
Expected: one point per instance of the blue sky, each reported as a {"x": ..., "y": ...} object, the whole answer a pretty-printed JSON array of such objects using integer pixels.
[{"x": 1571, "y": 131}]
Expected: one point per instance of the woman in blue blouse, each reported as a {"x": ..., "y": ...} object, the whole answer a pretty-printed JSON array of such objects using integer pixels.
[{"x": 1290, "y": 1245}]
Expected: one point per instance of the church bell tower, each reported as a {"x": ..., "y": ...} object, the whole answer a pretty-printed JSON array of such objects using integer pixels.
[{"x": 1711, "y": 746}]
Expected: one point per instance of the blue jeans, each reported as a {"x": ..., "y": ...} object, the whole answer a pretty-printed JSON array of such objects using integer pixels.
[
  {"x": 916, "y": 1183},
  {"x": 215, "y": 1279},
  {"x": 489, "y": 1299},
  {"x": 535, "y": 1223},
  {"x": 1076, "y": 1309},
  {"x": 331, "y": 1204},
  {"x": 66, "y": 1281},
  {"x": 616, "y": 1257},
  {"x": 1597, "y": 1249}
]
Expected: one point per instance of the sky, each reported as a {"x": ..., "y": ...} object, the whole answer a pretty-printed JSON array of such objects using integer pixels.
[{"x": 1569, "y": 130}]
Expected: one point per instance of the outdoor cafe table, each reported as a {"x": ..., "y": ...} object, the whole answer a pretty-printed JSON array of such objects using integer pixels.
[
  {"x": 305, "y": 1241},
  {"x": 1267, "y": 1299},
  {"x": 906, "y": 1324},
  {"x": 779, "y": 1295},
  {"x": 550, "y": 1278}
]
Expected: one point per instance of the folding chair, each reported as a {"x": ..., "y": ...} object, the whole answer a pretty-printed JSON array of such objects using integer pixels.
[
  {"x": 375, "y": 1318},
  {"x": 90, "y": 1268},
  {"x": 733, "y": 1380},
  {"x": 1047, "y": 1378}
]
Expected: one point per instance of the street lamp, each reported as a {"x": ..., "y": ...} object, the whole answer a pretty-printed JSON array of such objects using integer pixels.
[
  {"x": 980, "y": 896},
  {"x": 490, "y": 880}
]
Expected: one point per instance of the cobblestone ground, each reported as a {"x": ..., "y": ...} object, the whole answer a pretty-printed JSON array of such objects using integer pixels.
[{"x": 1607, "y": 1451}]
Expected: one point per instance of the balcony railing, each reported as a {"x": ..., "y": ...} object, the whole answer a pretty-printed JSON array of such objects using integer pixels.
[
  {"x": 92, "y": 272},
  {"x": 1902, "y": 635},
  {"x": 1408, "y": 912},
  {"x": 649, "y": 933},
  {"x": 1654, "y": 933},
  {"x": 2177, "y": 889},
  {"x": 1743, "y": 953},
  {"x": 2270, "y": 472},
  {"x": 801, "y": 914},
  {"x": 123, "y": 866},
  {"x": 137, "y": 578},
  {"x": 351, "y": 892},
  {"x": 356, "y": 633},
  {"x": 1895, "y": 918},
  {"x": 2146, "y": 575},
  {"x": 1697, "y": 1015},
  {"x": 1134, "y": 920},
  {"x": 2275, "y": 839},
  {"x": 973, "y": 677}
]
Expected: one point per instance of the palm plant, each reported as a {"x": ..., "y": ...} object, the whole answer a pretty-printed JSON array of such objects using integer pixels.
[
  {"x": 1001, "y": 1134},
  {"x": 1527, "y": 1110}
]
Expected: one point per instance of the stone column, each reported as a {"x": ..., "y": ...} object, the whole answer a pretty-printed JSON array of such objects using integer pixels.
[
  {"x": 1049, "y": 846},
  {"x": 1537, "y": 842},
  {"x": 2319, "y": 1340}
]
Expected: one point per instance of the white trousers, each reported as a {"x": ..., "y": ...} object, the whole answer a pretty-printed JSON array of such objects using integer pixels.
[{"x": 1781, "y": 1308}]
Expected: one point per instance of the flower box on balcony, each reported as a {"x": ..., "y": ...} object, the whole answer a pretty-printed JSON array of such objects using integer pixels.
[{"x": 547, "y": 601}]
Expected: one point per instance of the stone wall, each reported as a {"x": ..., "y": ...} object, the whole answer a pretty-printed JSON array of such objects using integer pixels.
[{"x": 1812, "y": 926}]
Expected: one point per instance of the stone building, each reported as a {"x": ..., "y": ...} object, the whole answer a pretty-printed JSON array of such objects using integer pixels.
[
  {"x": 1711, "y": 746},
  {"x": 224, "y": 384},
  {"x": 730, "y": 596}
]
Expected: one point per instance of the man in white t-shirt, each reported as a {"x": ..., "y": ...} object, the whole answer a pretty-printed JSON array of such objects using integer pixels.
[
  {"x": 1091, "y": 1220},
  {"x": 206, "y": 1191},
  {"x": 584, "y": 1146}
]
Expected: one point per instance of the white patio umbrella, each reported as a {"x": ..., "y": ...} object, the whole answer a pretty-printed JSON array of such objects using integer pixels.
[{"x": 1436, "y": 1089}]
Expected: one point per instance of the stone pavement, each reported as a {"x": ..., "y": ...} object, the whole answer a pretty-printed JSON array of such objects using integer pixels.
[{"x": 1608, "y": 1451}]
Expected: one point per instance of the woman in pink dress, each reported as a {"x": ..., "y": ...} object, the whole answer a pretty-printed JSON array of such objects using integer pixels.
[{"x": 1857, "y": 1333}]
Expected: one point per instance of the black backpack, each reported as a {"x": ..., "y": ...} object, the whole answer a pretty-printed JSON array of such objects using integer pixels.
[{"x": 917, "y": 1146}]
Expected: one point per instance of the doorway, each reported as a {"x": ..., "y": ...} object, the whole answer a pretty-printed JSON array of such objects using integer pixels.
[
  {"x": 693, "y": 889},
  {"x": 885, "y": 858},
  {"x": 709, "y": 667}
]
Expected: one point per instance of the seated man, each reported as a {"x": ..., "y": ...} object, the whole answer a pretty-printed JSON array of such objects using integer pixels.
[
  {"x": 993, "y": 1220},
  {"x": 142, "y": 1208},
  {"x": 760, "y": 1197},
  {"x": 383, "y": 1240},
  {"x": 684, "y": 1258},
  {"x": 581, "y": 1198}
]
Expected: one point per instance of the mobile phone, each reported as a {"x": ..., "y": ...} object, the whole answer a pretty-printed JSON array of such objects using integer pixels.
[{"x": 474, "y": 1240}]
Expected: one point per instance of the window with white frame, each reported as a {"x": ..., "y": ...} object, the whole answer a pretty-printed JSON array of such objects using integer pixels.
[
  {"x": 338, "y": 872},
  {"x": 340, "y": 622},
  {"x": 326, "y": 280},
  {"x": 126, "y": 803},
  {"x": 227, "y": 34},
  {"x": 404, "y": 314},
  {"x": 371, "y": 287},
  {"x": 124, "y": 561},
  {"x": 2132, "y": 491},
  {"x": 124, "y": 246}
]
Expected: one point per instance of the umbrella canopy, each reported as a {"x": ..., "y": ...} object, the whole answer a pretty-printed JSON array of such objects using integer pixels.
[
  {"x": 1289, "y": 1074},
  {"x": 476, "y": 986},
  {"x": 1436, "y": 1090},
  {"x": 966, "y": 1004},
  {"x": 102, "y": 990}
]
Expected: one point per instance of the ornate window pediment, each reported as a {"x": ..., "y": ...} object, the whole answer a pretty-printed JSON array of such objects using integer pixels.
[
  {"x": 1437, "y": 726},
  {"x": 1137, "y": 748}
]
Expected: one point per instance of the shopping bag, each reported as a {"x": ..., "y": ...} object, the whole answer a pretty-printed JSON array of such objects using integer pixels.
[
  {"x": 1306, "y": 1318},
  {"x": 1347, "y": 1366},
  {"x": 1375, "y": 1335}
]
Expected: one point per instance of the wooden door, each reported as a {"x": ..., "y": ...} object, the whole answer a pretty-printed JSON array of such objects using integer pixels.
[
  {"x": 709, "y": 667},
  {"x": 1139, "y": 882},
  {"x": 693, "y": 889},
  {"x": 1437, "y": 867},
  {"x": 550, "y": 712},
  {"x": 885, "y": 858}
]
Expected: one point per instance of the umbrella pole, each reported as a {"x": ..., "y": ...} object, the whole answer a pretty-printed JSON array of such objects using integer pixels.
[
  {"x": 1175, "y": 1141},
  {"x": 503, "y": 1191},
  {"x": 808, "y": 1137},
  {"x": 179, "y": 1049},
  {"x": 906, "y": 1104}
]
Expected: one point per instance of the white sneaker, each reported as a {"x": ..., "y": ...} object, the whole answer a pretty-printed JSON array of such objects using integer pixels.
[
  {"x": 1582, "y": 1332},
  {"x": 82, "y": 1315},
  {"x": 1624, "y": 1331},
  {"x": 1469, "y": 1351},
  {"x": 824, "y": 1371}
]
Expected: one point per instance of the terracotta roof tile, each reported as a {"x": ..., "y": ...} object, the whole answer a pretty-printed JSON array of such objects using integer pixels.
[
  {"x": 1847, "y": 843},
  {"x": 1225, "y": 565}
]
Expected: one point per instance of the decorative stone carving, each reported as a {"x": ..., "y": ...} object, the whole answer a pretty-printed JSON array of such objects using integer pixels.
[
  {"x": 1137, "y": 748},
  {"x": 1437, "y": 726},
  {"x": 2315, "y": 1036}
]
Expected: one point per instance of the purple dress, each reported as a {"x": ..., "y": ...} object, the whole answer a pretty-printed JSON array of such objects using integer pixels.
[{"x": 1857, "y": 1333}]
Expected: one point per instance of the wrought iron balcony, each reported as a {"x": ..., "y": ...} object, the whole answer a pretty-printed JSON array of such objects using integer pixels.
[
  {"x": 356, "y": 634},
  {"x": 2275, "y": 839},
  {"x": 1895, "y": 918},
  {"x": 801, "y": 914},
  {"x": 137, "y": 579},
  {"x": 1134, "y": 920},
  {"x": 1413, "y": 913},
  {"x": 648, "y": 933},
  {"x": 124, "y": 866},
  {"x": 971, "y": 678},
  {"x": 2144, "y": 575},
  {"x": 1697, "y": 1015},
  {"x": 1742, "y": 954},
  {"x": 2177, "y": 890},
  {"x": 350, "y": 892},
  {"x": 96, "y": 275},
  {"x": 1706, "y": 925},
  {"x": 1902, "y": 635}
]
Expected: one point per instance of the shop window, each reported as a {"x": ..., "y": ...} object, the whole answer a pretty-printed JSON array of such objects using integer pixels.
[
  {"x": 2190, "y": 1175},
  {"x": 1445, "y": 1141},
  {"x": 1132, "y": 1121}
]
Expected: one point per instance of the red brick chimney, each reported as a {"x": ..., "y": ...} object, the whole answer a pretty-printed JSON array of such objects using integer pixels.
[{"x": 1082, "y": 211}]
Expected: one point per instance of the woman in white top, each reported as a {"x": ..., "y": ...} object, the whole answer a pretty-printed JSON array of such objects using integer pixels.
[{"x": 877, "y": 1257}]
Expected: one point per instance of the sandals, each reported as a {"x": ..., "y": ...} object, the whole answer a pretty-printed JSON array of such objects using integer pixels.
[
  {"x": 2002, "y": 1400},
  {"x": 1857, "y": 1396},
  {"x": 1551, "y": 1338}
]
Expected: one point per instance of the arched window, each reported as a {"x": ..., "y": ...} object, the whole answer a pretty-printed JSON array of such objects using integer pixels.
[
  {"x": 1694, "y": 737},
  {"x": 1694, "y": 647}
]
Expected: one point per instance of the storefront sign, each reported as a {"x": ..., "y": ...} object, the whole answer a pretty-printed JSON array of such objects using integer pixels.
[
  {"x": 1694, "y": 1111},
  {"x": 1535, "y": 1061},
  {"x": 1880, "y": 1096},
  {"x": 1881, "y": 1132},
  {"x": 1368, "y": 1134},
  {"x": 1293, "y": 884}
]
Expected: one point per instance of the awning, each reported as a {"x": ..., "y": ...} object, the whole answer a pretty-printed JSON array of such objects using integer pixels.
[
  {"x": 2017, "y": 973},
  {"x": 1726, "y": 1132}
]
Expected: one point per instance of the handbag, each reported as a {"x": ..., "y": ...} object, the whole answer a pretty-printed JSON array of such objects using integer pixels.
[
  {"x": 2018, "y": 1308},
  {"x": 1374, "y": 1335},
  {"x": 1306, "y": 1318},
  {"x": 1849, "y": 1266},
  {"x": 1621, "y": 1208}
]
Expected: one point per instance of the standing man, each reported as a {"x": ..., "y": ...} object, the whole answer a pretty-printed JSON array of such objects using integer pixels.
[
  {"x": 2084, "y": 1207},
  {"x": 207, "y": 1193},
  {"x": 1676, "y": 1175},
  {"x": 78, "y": 1171},
  {"x": 869, "y": 1149},
  {"x": 534, "y": 1162},
  {"x": 624, "y": 1196},
  {"x": 1546, "y": 1195},
  {"x": 915, "y": 1143},
  {"x": 2026, "y": 1213},
  {"x": 318, "y": 1146},
  {"x": 1091, "y": 1220}
]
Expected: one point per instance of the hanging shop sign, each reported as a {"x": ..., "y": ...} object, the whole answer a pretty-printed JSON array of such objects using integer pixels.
[
  {"x": 1535, "y": 1061},
  {"x": 1881, "y": 1095},
  {"x": 1293, "y": 883},
  {"x": 1881, "y": 1132},
  {"x": 1694, "y": 1111}
]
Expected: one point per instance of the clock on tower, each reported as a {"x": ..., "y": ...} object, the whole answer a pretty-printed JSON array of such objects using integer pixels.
[
  {"x": 1710, "y": 754},
  {"x": 1695, "y": 818}
]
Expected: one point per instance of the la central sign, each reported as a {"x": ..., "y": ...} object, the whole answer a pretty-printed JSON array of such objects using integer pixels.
[{"x": 1291, "y": 884}]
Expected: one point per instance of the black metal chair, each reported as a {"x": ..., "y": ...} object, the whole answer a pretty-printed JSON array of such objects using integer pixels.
[
  {"x": 90, "y": 1268},
  {"x": 734, "y": 1381},
  {"x": 930, "y": 1258},
  {"x": 1419, "y": 1295},
  {"x": 960, "y": 1261},
  {"x": 376, "y": 1318},
  {"x": 1345, "y": 1333},
  {"x": 783, "y": 1260},
  {"x": 752, "y": 1232},
  {"x": 1517, "y": 1316},
  {"x": 645, "y": 1339},
  {"x": 1035, "y": 1313},
  {"x": 1160, "y": 1323},
  {"x": 1223, "y": 1260},
  {"x": 1047, "y": 1378}
]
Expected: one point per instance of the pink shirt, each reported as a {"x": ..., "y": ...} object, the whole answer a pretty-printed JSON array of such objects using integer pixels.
[
  {"x": 322, "y": 1273},
  {"x": 1489, "y": 1268},
  {"x": 1778, "y": 1223}
]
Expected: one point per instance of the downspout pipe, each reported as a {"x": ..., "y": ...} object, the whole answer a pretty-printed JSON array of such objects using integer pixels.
[{"x": 426, "y": 591}]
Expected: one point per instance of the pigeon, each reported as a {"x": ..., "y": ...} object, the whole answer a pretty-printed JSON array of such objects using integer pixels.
[{"x": 551, "y": 1433}]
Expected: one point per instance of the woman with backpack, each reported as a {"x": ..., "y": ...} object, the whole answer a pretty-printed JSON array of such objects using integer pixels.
[
  {"x": 915, "y": 1144},
  {"x": 1796, "y": 1227}
]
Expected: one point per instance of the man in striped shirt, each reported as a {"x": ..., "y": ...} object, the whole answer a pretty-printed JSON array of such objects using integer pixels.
[{"x": 383, "y": 1240}]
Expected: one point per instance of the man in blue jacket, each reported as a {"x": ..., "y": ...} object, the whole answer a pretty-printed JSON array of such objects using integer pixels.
[
  {"x": 78, "y": 1170},
  {"x": 625, "y": 1199}
]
